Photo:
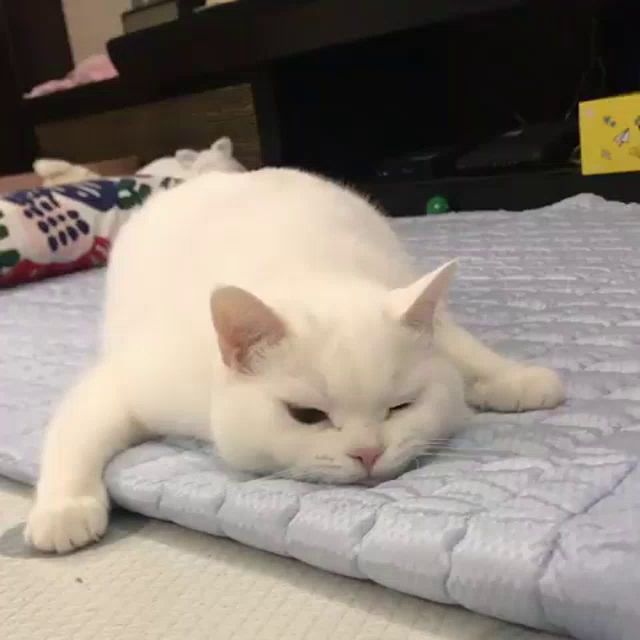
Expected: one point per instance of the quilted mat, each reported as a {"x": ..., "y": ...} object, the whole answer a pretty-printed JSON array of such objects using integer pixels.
[{"x": 532, "y": 518}]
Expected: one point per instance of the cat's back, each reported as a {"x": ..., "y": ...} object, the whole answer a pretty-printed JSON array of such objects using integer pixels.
[
  {"x": 272, "y": 201},
  {"x": 257, "y": 230},
  {"x": 231, "y": 226}
]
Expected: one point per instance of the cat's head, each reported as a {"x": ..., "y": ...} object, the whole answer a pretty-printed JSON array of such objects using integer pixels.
[{"x": 343, "y": 390}]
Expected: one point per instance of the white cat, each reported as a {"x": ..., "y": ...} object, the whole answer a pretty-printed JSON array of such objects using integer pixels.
[{"x": 277, "y": 314}]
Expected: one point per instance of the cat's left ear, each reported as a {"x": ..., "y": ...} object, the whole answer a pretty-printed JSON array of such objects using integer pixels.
[
  {"x": 244, "y": 324},
  {"x": 416, "y": 304}
]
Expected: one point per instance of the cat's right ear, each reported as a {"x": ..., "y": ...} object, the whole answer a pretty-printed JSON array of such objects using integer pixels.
[
  {"x": 243, "y": 323},
  {"x": 223, "y": 146}
]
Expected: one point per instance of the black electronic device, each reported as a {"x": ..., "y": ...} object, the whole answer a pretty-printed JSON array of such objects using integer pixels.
[
  {"x": 426, "y": 164},
  {"x": 542, "y": 145}
]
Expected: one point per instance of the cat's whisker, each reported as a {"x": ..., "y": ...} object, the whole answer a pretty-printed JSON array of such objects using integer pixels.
[
  {"x": 446, "y": 445},
  {"x": 460, "y": 453},
  {"x": 279, "y": 475},
  {"x": 466, "y": 449},
  {"x": 457, "y": 454}
]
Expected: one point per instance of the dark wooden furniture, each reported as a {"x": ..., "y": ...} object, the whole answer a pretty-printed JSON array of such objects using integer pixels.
[
  {"x": 336, "y": 87},
  {"x": 154, "y": 127},
  {"x": 227, "y": 70},
  {"x": 278, "y": 42},
  {"x": 249, "y": 34},
  {"x": 33, "y": 48}
]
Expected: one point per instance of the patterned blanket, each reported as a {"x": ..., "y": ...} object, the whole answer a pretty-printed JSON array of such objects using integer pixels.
[{"x": 54, "y": 230}]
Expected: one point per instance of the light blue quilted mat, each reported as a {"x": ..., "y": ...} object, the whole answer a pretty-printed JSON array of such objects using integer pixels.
[{"x": 532, "y": 518}]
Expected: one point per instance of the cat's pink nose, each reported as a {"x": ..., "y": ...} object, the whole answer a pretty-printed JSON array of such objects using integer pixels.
[{"x": 368, "y": 456}]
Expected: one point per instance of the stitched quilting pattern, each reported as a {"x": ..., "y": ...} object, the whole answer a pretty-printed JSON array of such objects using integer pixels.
[{"x": 533, "y": 518}]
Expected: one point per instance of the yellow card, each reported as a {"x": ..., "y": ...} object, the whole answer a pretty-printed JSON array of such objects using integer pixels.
[{"x": 610, "y": 134}]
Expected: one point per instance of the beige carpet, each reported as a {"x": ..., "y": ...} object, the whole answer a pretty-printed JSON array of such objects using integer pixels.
[{"x": 154, "y": 580}]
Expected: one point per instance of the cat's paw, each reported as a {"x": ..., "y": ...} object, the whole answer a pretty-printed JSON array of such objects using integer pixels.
[
  {"x": 520, "y": 388},
  {"x": 66, "y": 524}
]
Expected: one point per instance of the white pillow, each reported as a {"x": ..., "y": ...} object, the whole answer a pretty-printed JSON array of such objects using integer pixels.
[{"x": 54, "y": 172}]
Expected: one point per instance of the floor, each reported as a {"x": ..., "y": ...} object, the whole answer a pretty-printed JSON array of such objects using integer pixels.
[{"x": 150, "y": 579}]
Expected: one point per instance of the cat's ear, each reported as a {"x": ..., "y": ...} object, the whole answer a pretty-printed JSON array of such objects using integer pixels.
[
  {"x": 243, "y": 323},
  {"x": 223, "y": 146},
  {"x": 415, "y": 305}
]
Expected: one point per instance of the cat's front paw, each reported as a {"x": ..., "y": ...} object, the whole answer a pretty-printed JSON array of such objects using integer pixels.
[
  {"x": 65, "y": 524},
  {"x": 520, "y": 388}
]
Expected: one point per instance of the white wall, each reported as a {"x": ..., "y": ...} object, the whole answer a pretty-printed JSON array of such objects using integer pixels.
[{"x": 91, "y": 23}]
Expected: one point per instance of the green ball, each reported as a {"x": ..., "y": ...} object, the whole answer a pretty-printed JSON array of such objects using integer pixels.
[{"x": 437, "y": 204}]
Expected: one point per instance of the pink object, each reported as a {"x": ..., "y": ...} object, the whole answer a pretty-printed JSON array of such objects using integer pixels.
[
  {"x": 93, "y": 69},
  {"x": 368, "y": 456}
]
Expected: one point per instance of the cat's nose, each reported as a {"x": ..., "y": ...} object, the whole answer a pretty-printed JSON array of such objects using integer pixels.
[{"x": 368, "y": 456}]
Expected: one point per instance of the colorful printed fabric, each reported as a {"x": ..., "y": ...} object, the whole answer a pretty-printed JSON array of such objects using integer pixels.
[{"x": 55, "y": 230}]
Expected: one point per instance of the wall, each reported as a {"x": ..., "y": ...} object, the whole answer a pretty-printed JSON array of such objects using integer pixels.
[{"x": 91, "y": 23}]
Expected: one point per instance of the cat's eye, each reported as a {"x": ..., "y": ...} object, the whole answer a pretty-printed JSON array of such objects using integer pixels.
[
  {"x": 306, "y": 415},
  {"x": 398, "y": 408}
]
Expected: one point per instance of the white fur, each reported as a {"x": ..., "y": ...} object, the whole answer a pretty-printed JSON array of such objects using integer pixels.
[
  {"x": 332, "y": 321},
  {"x": 187, "y": 163},
  {"x": 54, "y": 172}
]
